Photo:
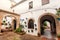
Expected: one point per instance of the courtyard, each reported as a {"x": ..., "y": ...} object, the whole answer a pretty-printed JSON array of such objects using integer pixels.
[
  {"x": 29, "y": 20},
  {"x": 14, "y": 36}
]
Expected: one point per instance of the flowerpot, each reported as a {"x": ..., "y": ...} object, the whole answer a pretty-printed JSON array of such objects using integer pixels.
[
  {"x": 58, "y": 38},
  {"x": 38, "y": 34}
]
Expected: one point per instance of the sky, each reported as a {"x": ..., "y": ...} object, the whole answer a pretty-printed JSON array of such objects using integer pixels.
[{"x": 6, "y": 4}]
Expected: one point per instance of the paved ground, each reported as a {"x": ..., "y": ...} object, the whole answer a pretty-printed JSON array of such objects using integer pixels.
[
  {"x": 15, "y": 36},
  {"x": 9, "y": 36},
  {"x": 30, "y": 37}
]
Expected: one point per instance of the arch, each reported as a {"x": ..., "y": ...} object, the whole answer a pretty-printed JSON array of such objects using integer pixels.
[
  {"x": 52, "y": 23},
  {"x": 47, "y": 17},
  {"x": 15, "y": 24},
  {"x": 10, "y": 16},
  {"x": 30, "y": 24},
  {"x": 13, "y": 21}
]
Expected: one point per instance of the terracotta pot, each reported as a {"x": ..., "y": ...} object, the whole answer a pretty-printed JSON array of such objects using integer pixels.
[
  {"x": 58, "y": 38},
  {"x": 38, "y": 34}
]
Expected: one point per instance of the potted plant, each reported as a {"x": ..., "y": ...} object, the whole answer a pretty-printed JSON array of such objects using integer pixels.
[
  {"x": 19, "y": 30},
  {"x": 58, "y": 36}
]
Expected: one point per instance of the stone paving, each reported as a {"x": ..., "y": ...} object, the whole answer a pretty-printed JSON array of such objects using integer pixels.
[
  {"x": 9, "y": 36},
  {"x": 30, "y": 37},
  {"x": 15, "y": 36}
]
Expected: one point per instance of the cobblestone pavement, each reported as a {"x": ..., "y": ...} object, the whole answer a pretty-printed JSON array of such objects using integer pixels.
[
  {"x": 15, "y": 36},
  {"x": 9, "y": 36},
  {"x": 29, "y": 37}
]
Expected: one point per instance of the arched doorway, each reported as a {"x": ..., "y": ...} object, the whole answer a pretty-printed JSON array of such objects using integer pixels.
[
  {"x": 14, "y": 21},
  {"x": 31, "y": 24},
  {"x": 51, "y": 20}
]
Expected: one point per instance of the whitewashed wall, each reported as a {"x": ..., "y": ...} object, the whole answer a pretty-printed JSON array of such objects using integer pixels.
[{"x": 34, "y": 13}]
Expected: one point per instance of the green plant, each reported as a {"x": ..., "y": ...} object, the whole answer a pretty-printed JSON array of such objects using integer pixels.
[
  {"x": 45, "y": 24},
  {"x": 21, "y": 26},
  {"x": 58, "y": 12},
  {"x": 18, "y": 30},
  {"x": 58, "y": 35}
]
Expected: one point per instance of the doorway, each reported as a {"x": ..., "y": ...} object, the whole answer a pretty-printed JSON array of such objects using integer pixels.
[
  {"x": 14, "y": 21},
  {"x": 51, "y": 20}
]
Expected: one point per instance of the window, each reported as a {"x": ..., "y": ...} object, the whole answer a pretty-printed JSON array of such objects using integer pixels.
[
  {"x": 30, "y": 4},
  {"x": 31, "y": 24},
  {"x": 45, "y": 2}
]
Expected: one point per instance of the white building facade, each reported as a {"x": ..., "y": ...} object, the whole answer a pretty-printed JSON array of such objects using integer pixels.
[{"x": 34, "y": 12}]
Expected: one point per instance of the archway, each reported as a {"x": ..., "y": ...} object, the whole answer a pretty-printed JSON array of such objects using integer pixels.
[
  {"x": 51, "y": 20},
  {"x": 31, "y": 24},
  {"x": 14, "y": 22}
]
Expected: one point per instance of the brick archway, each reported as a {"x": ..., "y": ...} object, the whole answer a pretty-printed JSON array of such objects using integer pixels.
[
  {"x": 4, "y": 13},
  {"x": 48, "y": 17},
  {"x": 13, "y": 21},
  {"x": 51, "y": 20}
]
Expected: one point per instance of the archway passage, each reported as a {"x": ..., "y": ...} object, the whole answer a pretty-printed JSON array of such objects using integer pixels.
[
  {"x": 14, "y": 21},
  {"x": 50, "y": 19}
]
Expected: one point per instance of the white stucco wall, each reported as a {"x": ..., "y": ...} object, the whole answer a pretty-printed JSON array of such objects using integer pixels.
[{"x": 34, "y": 13}]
